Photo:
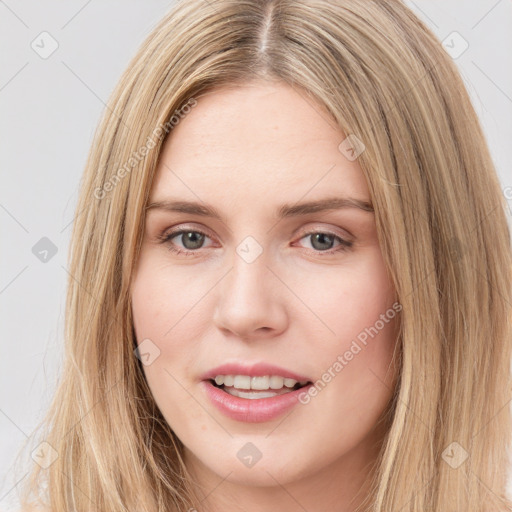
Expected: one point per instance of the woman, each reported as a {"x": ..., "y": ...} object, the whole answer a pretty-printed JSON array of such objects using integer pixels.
[{"x": 218, "y": 354}]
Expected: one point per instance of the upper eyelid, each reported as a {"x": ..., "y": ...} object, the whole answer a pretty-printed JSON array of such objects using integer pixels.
[
  {"x": 190, "y": 227},
  {"x": 180, "y": 229}
]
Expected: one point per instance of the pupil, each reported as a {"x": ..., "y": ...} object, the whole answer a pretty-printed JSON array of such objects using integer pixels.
[
  {"x": 190, "y": 236},
  {"x": 322, "y": 236}
]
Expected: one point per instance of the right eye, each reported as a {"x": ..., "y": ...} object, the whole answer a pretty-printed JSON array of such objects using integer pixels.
[{"x": 192, "y": 240}]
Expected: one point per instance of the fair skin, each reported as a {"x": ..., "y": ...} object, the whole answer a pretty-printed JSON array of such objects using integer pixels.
[{"x": 246, "y": 151}]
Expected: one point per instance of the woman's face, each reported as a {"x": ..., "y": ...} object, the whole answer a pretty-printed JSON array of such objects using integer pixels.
[{"x": 274, "y": 286}]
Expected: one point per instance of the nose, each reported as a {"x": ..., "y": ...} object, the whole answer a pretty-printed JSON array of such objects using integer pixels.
[{"x": 251, "y": 301}]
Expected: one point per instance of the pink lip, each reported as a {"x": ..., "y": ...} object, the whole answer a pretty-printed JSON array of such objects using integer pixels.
[
  {"x": 254, "y": 370},
  {"x": 245, "y": 409},
  {"x": 252, "y": 411}
]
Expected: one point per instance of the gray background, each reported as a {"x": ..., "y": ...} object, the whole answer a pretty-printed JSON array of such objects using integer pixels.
[{"x": 50, "y": 108}]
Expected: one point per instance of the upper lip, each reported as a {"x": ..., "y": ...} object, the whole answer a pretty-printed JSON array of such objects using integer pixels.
[{"x": 253, "y": 370}]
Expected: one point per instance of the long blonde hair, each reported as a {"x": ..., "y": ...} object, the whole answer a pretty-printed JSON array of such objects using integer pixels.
[{"x": 440, "y": 214}]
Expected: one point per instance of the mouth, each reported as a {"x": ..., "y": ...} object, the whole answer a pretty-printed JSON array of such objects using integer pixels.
[
  {"x": 254, "y": 388},
  {"x": 253, "y": 393}
]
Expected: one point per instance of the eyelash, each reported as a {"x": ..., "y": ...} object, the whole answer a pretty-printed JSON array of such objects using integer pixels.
[{"x": 164, "y": 238}]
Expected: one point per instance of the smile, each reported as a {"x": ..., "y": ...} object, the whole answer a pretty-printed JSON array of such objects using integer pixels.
[
  {"x": 253, "y": 392},
  {"x": 267, "y": 386}
]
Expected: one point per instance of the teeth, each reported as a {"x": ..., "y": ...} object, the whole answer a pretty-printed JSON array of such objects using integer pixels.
[
  {"x": 242, "y": 382},
  {"x": 260, "y": 383},
  {"x": 276, "y": 382},
  {"x": 256, "y": 383}
]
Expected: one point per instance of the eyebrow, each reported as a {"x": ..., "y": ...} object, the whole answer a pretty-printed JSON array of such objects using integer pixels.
[{"x": 286, "y": 210}]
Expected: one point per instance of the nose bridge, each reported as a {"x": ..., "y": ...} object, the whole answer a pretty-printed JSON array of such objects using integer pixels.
[
  {"x": 251, "y": 262},
  {"x": 248, "y": 280},
  {"x": 248, "y": 263},
  {"x": 248, "y": 299}
]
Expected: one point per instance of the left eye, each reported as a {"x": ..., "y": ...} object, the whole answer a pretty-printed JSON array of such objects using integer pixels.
[
  {"x": 318, "y": 241},
  {"x": 193, "y": 240}
]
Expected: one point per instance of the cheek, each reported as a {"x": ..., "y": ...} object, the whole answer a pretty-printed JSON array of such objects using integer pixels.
[
  {"x": 164, "y": 299},
  {"x": 355, "y": 379},
  {"x": 367, "y": 319},
  {"x": 353, "y": 359},
  {"x": 163, "y": 312},
  {"x": 351, "y": 299},
  {"x": 156, "y": 312}
]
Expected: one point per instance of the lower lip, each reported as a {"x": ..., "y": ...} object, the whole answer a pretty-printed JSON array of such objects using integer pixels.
[{"x": 255, "y": 410}]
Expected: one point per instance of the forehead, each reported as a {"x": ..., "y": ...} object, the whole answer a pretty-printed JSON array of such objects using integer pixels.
[{"x": 255, "y": 143}]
